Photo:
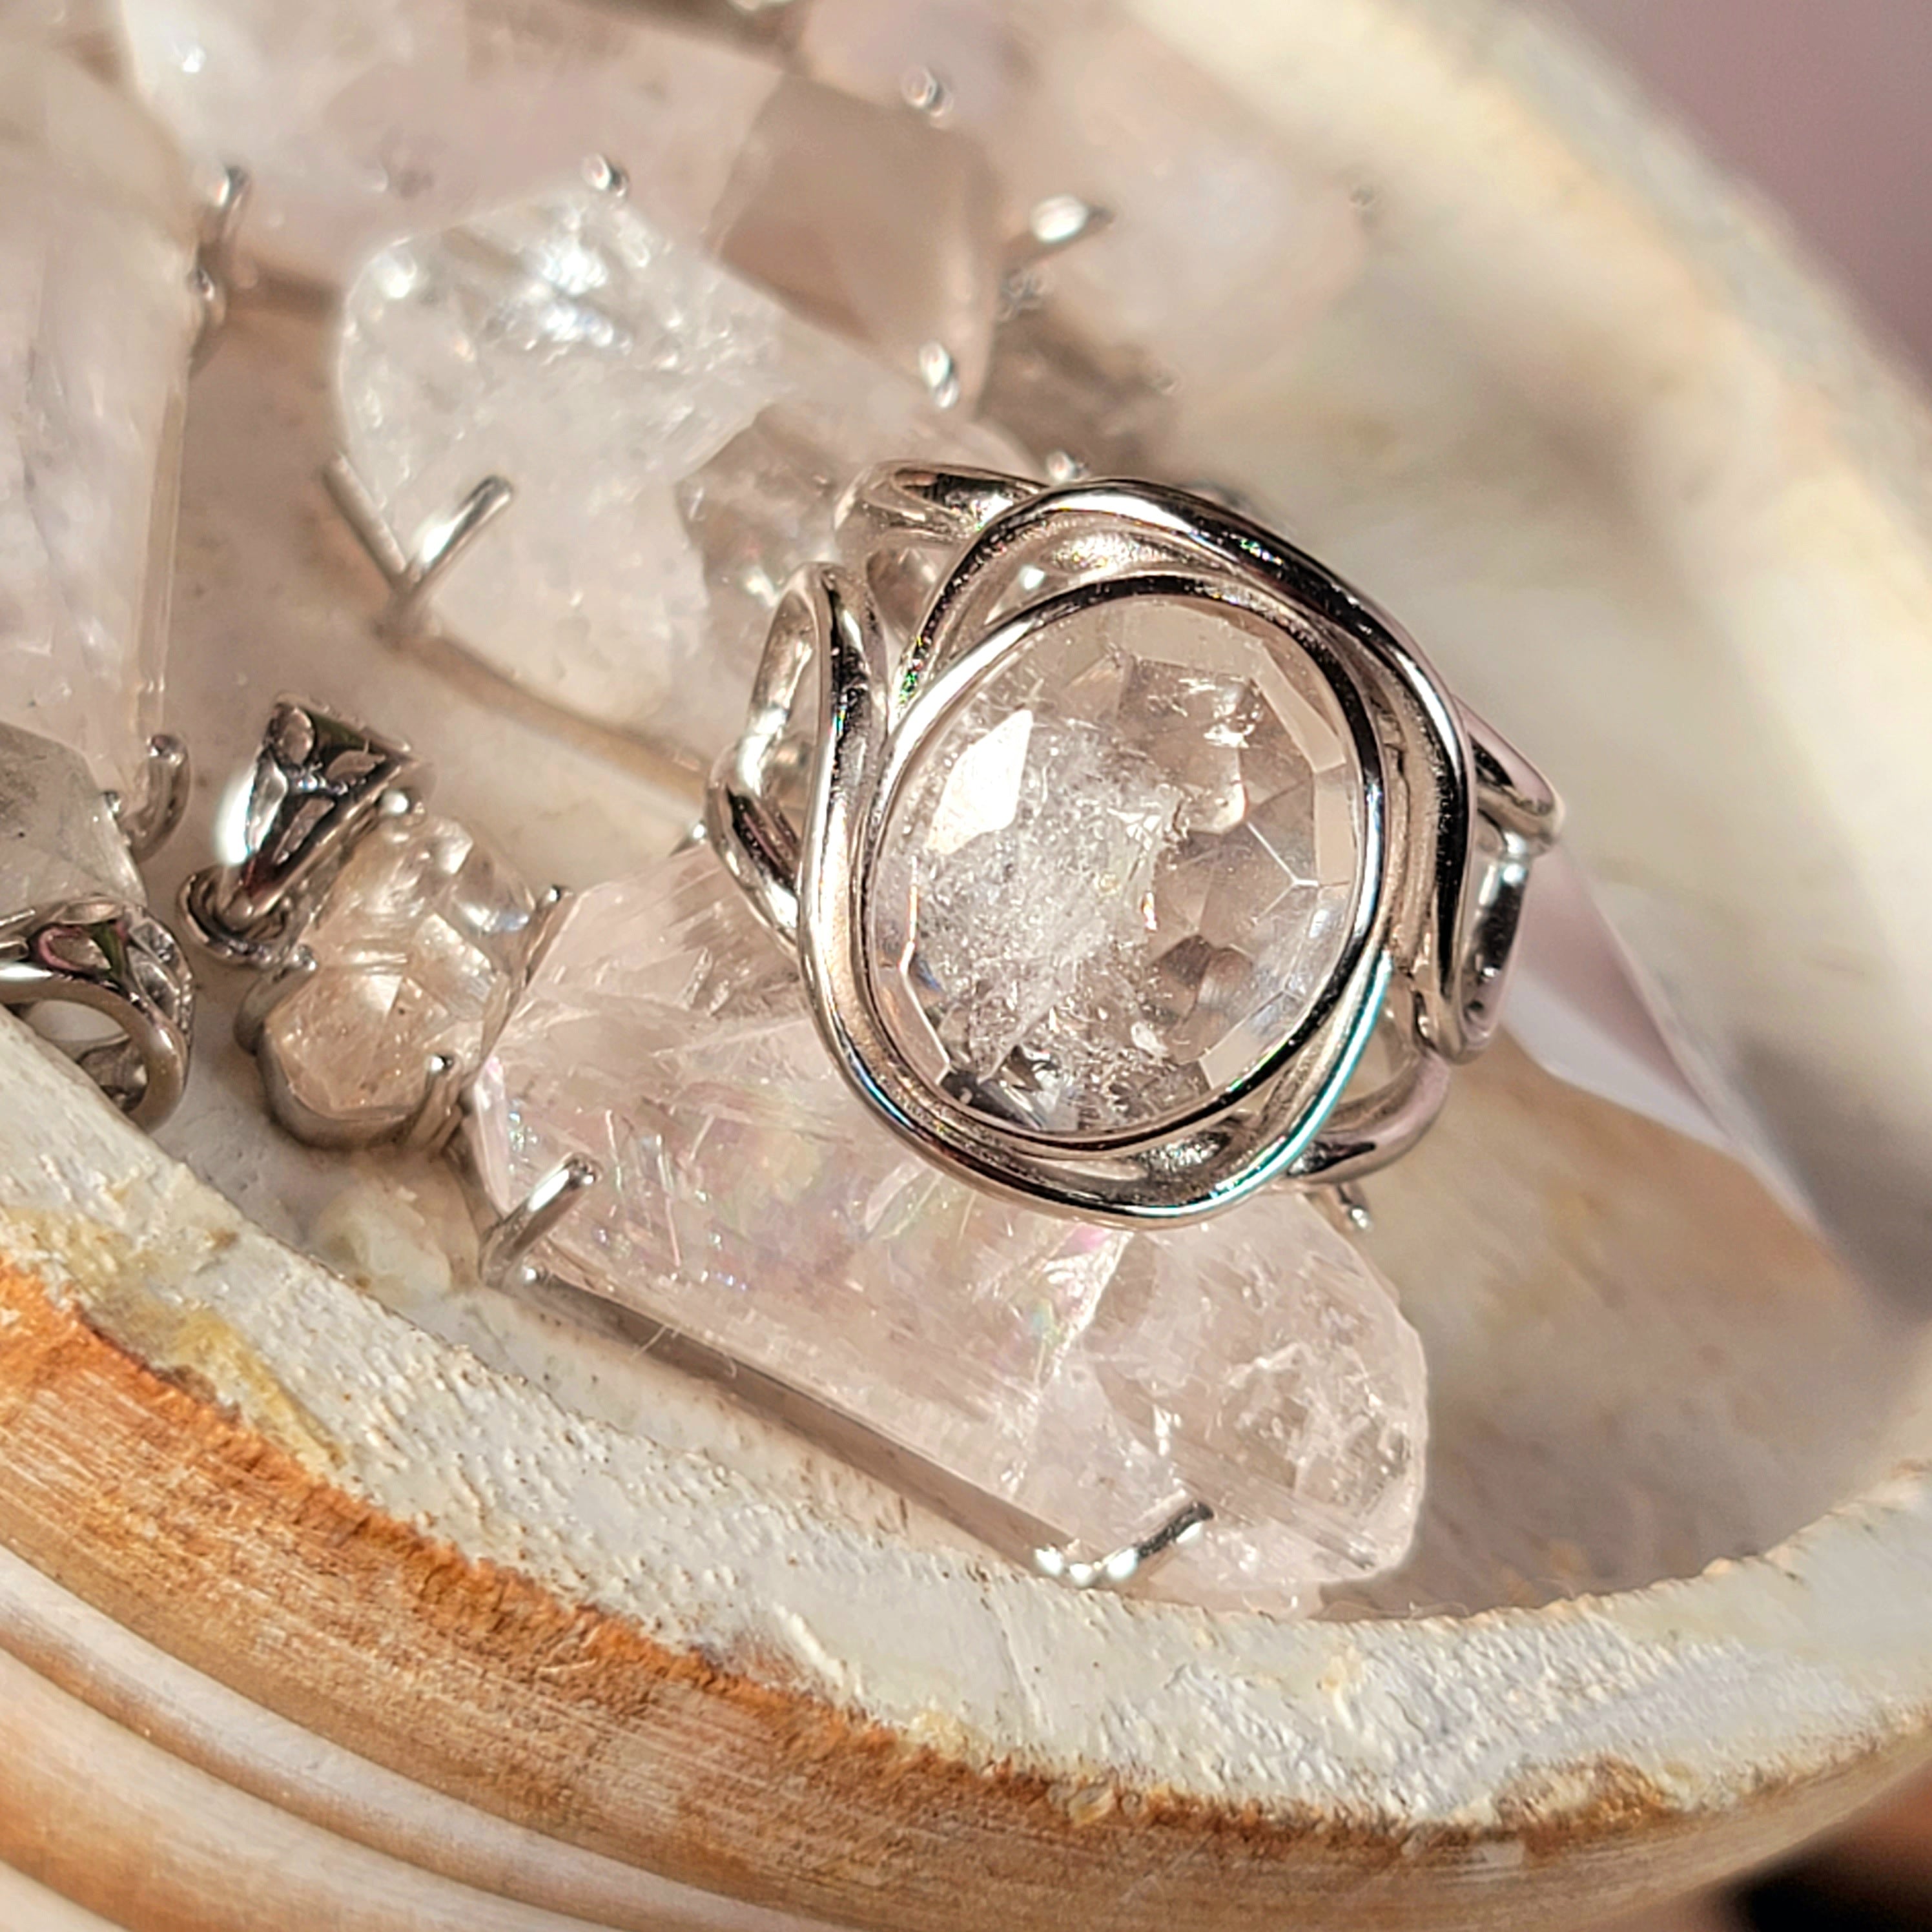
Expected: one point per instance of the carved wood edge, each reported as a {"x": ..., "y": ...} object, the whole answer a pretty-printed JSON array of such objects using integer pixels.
[{"x": 194, "y": 1530}]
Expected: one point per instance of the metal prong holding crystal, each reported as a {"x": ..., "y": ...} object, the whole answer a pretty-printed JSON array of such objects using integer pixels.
[
  {"x": 1121, "y": 1567},
  {"x": 504, "y": 1255},
  {"x": 412, "y": 574},
  {"x": 216, "y": 272},
  {"x": 149, "y": 821},
  {"x": 388, "y": 943},
  {"x": 75, "y": 933}
]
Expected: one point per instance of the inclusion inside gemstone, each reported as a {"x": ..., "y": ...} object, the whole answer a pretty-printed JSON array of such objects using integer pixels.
[{"x": 1119, "y": 876}]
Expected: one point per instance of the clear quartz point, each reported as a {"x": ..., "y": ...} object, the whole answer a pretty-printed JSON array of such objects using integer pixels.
[
  {"x": 677, "y": 441},
  {"x": 96, "y": 240},
  {"x": 363, "y": 120},
  {"x": 1210, "y": 244},
  {"x": 418, "y": 947},
  {"x": 1090, "y": 1382},
  {"x": 872, "y": 221}
]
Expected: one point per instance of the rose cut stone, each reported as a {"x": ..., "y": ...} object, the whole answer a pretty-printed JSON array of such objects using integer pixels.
[
  {"x": 1121, "y": 876},
  {"x": 1088, "y": 1380}
]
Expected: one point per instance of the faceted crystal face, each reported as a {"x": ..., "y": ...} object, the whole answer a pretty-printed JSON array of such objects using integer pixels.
[
  {"x": 676, "y": 440},
  {"x": 1091, "y": 1380},
  {"x": 418, "y": 949},
  {"x": 58, "y": 839},
  {"x": 96, "y": 322},
  {"x": 1121, "y": 874}
]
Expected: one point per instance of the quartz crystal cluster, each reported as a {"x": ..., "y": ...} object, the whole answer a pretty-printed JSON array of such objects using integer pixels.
[
  {"x": 1122, "y": 874},
  {"x": 678, "y": 440},
  {"x": 418, "y": 948},
  {"x": 1090, "y": 1381},
  {"x": 97, "y": 239}
]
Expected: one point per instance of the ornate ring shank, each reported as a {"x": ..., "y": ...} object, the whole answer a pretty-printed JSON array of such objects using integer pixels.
[{"x": 1415, "y": 825}]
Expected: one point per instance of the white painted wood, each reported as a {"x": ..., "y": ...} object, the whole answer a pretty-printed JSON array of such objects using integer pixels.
[{"x": 1657, "y": 509}]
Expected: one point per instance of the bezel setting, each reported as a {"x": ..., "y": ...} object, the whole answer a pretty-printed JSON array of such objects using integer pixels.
[{"x": 944, "y": 578}]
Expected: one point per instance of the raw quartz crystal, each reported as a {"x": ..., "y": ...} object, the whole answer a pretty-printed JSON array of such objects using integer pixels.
[
  {"x": 1092, "y": 1381},
  {"x": 59, "y": 841},
  {"x": 1164, "y": 214},
  {"x": 419, "y": 947},
  {"x": 677, "y": 439},
  {"x": 97, "y": 239},
  {"x": 361, "y": 121},
  {"x": 1122, "y": 874}
]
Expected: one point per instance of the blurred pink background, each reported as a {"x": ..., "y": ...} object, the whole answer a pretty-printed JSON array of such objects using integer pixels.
[{"x": 1823, "y": 104}]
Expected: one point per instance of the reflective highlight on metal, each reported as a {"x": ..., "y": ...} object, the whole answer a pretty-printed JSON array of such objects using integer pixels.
[
  {"x": 319, "y": 783},
  {"x": 119, "y": 961},
  {"x": 943, "y": 577}
]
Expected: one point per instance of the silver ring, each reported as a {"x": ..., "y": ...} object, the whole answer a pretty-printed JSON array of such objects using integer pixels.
[
  {"x": 117, "y": 960},
  {"x": 954, "y": 597}
]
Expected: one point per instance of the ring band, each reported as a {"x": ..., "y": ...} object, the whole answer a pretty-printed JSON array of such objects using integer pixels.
[
  {"x": 119, "y": 960},
  {"x": 956, "y": 639}
]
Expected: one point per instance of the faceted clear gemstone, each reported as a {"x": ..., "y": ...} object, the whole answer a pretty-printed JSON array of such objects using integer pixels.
[
  {"x": 58, "y": 839},
  {"x": 419, "y": 947},
  {"x": 96, "y": 322},
  {"x": 819, "y": 209},
  {"x": 1220, "y": 244},
  {"x": 1122, "y": 874},
  {"x": 1092, "y": 1380},
  {"x": 624, "y": 382}
]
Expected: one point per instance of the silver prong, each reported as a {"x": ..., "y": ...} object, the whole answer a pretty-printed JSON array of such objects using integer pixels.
[
  {"x": 940, "y": 373},
  {"x": 1061, "y": 219},
  {"x": 500, "y": 1260},
  {"x": 266, "y": 991},
  {"x": 441, "y": 544},
  {"x": 435, "y": 1117},
  {"x": 412, "y": 574},
  {"x": 359, "y": 510},
  {"x": 148, "y": 822},
  {"x": 1123, "y": 1565},
  {"x": 1353, "y": 1205},
  {"x": 545, "y": 921},
  {"x": 1063, "y": 466},
  {"x": 215, "y": 276},
  {"x": 607, "y": 176},
  {"x": 925, "y": 94}
]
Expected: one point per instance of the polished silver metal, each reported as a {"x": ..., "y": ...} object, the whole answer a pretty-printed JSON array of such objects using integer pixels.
[
  {"x": 928, "y": 598},
  {"x": 149, "y": 821},
  {"x": 216, "y": 271},
  {"x": 1122, "y": 1566},
  {"x": 503, "y": 1259},
  {"x": 412, "y": 574},
  {"x": 119, "y": 961},
  {"x": 320, "y": 785},
  {"x": 319, "y": 782}
]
